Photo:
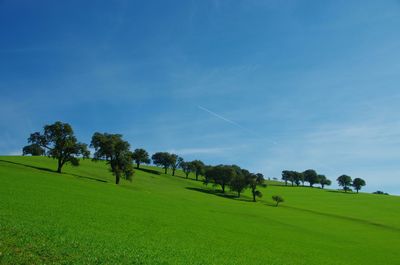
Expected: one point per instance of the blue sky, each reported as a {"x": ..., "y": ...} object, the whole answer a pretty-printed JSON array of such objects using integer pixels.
[{"x": 267, "y": 85}]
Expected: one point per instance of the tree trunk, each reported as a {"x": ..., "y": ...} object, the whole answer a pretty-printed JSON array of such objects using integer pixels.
[
  {"x": 276, "y": 204},
  {"x": 165, "y": 170},
  {"x": 223, "y": 188},
  {"x": 238, "y": 194},
  {"x": 357, "y": 191},
  {"x": 173, "y": 171},
  {"x": 117, "y": 179},
  {"x": 197, "y": 176},
  {"x": 187, "y": 175},
  {"x": 60, "y": 164},
  {"x": 137, "y": 165},
  {"x": 254, "y": 196}
]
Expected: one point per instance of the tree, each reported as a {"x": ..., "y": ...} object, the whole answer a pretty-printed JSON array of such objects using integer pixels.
[
  {"x": 238, "y": 182},
  {"x": 175, "y": 162},
  {"x": 311, "y": 176},
  {"x": 344, "y": 181},
  {"x": 255, "y": 180},
  {"x": 286, "y": 176},
  {"x": 60, "y": 143},
  {"x": 113, "y": 149},
  {"x": 380, "y": 192},
  {"x": 324, "y": 181},
  {"x": 162, "y": 159},
  {"x": 220, "y": 175},
  {"x": 278, "y": 199},
  {"x": 298, "y": 177},
  {"x": 358, "y": 183},
  {"x": 292, "y": 177},
  {"x": 187, "y": 167},
  {"x": 198, "y": 168},
  {"x": 33, "y": 149},
  {"x": 140, "y": 156}
]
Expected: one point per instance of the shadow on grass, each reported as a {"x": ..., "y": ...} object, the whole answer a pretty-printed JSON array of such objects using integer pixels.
[
  {"x": 51, "y": 170},
  {"x": 341, "y": 191},
  {"x": 343, "y": 217},
  {"x": 84, "y": 177},
  {"x": 30, "y": 166},
  {"x": 151, "y": 171},
  {"x": 219, "y": 194}
]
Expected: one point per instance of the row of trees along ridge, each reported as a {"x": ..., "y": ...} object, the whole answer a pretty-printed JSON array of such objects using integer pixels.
[
  {"x": 312, "y": 177},
  {"x": 58, "y": 141}
]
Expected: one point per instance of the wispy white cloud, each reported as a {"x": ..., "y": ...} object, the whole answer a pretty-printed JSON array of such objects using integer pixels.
[{"x": 367, "y": 149}]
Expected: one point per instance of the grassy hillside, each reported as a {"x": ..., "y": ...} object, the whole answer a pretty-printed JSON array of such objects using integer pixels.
[{"x": 81, "y": 217}]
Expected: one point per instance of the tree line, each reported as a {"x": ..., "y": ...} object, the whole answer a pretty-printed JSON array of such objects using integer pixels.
[
  {"x": 313, "y": 178},
  {"x": 59, "y": 142}
]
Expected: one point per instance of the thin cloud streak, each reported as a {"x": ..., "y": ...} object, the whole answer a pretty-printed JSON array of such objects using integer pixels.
[
  {"x": 223, "y": 118},
  {"x": 230, "y": 121}
]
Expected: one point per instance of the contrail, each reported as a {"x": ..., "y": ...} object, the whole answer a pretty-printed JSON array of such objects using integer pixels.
[
  {"x": 221, "y": 117},
  {"x": 230, "y": 121}
]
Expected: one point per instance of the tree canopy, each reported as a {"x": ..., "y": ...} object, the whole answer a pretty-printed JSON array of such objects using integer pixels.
[
  {"x": 33, "y": 149},
  {"x": 324, "y": 181},
  {"x": 176, "y": 162},
  {"x": 311, "y": 176},
  {"x": 59, "y": 142},
  {"x": 286, "y": 176},
  {"x": 113, "y": 149},
  {"x": 140, "y": 156},
  {"x": 278, "y": 199},
  {"x": 220, "y": 175},
  {"x": 255, "y": 180},
  {"x": 358, "y": 183},
  {"x": 163, "y": 159},
  {"x": 187, "y": 167},
  {"x": 238, "y": 182},
  {"x": 198, "y": 168},
  {"x": 344, "y": 181}
]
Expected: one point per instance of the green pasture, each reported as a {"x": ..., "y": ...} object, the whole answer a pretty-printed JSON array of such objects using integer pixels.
[{"x": 82, "y": 217}]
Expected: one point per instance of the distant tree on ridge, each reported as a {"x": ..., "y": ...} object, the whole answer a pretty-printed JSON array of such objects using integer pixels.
[
  {"x": 311, "y": 176},
  {"x": 59, "y": 141},
  {"x": 162, "y": 159},
  {"x": 140, "y": 156},
  {"x": 358, "y": 183},
  {"x": 115, "y": 151},
  {"x": 344, "y": 181}
]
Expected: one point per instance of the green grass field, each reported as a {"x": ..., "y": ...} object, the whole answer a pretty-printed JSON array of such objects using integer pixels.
[{"x": 82, "y": 217}]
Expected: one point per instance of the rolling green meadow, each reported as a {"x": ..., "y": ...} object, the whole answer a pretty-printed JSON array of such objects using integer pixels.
[{"x": 82, "y": 217}]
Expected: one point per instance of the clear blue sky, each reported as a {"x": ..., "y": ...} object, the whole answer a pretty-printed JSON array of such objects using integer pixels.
[{"x": 267, "y": 85}]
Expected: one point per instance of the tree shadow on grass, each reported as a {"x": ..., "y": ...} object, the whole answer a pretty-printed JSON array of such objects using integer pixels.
[
  {"x": 344, "y": 217},
  {"x": 30, "y": 166},
  {"x": 151, "y": 171},
  {"x": 219, "y": 194},
  {"x": 341, "y": 191},
  {"x": 89, "y": 178},
  {"x": 51, "y": 170}
]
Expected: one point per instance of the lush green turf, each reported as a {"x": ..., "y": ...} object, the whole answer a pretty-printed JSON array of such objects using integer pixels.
[{"x": 77, "y": 218}]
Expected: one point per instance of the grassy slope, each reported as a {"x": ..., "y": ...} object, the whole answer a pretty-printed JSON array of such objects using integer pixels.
[{"x": 158, "y": 219}]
